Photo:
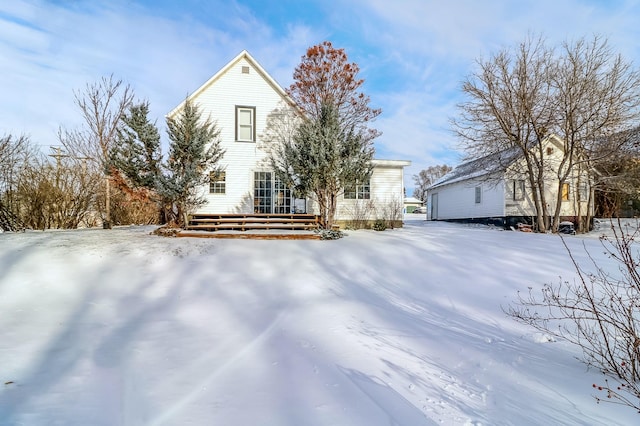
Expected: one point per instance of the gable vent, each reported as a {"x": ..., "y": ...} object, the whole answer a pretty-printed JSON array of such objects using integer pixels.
[{"x": 245, "y": 70}]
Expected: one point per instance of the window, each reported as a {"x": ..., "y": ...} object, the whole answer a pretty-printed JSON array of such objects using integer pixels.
[
  {"x": 517, "y": 189},
  {"x": 549, "y": 150},
  {"x": 245, "y": 124},
  {"x": 361, "y": 191},
  {"x": 565, "y": 192},
  {"x": 582, "y": 191},
  {"x": 478, "y": 194},
  {"x": 217, "y": 183}
]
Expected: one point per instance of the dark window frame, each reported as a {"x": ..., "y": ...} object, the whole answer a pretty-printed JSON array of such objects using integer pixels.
[
  {"x": 517, "y": 189},
  {"x": 253, "y": 122}
]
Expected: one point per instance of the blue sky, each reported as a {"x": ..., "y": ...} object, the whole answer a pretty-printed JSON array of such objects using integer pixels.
[{"x": 413, "y": 54}]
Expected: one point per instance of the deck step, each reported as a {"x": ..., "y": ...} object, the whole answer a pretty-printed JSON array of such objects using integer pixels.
[
  {"x": 248, "y": 222},
  {"x": 255, "y": 235}
]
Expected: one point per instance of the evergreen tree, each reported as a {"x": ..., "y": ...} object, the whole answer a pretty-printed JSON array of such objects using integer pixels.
[
  {"x": 333, "y": 147},
  {"x": 323, "y": 157},
  {"x": 194, "y": 151},
  {"x": 137, "y": 151}
]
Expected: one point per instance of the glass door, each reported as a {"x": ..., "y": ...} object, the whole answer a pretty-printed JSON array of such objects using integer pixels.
[
  {"x": 282, "y": 197},
  {"x": 262, "y": 199},
  {"x": 270, "y": 195}
]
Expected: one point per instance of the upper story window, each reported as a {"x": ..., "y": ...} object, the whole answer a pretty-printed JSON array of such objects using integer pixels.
[
  {"x": 217, "y": 183},
  {"x": 565, "y": 192},
  {"x": 478, "y": 194},
  {"x": 517, "y": 189},
  {"x": 245, "y": 124},
  {"x": 361, "y": 191}
]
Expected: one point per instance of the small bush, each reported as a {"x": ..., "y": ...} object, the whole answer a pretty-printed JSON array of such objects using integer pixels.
[
  {"x": 598, "y": 313},
  {"x": 380, "y": 225},
  {"x": 330, "y": 234},
  {"x": 166, "y": 231}
]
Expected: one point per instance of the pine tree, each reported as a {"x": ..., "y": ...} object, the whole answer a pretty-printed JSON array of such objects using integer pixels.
[
  {"x": 194, "y": 152},
  {"x": 323, "y": 157},
  {"x": 137, "y": 152}
]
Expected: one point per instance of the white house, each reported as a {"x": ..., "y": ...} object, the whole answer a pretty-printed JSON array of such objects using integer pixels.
[
  {"x": 239, "y": 98},
  {"x": 494, "y": 190},
  {"x": 411, "y": 203}
]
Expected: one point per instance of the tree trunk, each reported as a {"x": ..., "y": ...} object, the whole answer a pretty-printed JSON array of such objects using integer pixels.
[
  {"x": 589, "y": 210},
  {"x": 107, "y": 212},
  {"x": 332, "y": 210},
  {"x": 556, "y": 213}
]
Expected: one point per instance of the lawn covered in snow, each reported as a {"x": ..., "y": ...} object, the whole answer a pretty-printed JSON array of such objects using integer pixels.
[{"x": 402, "y": 327}]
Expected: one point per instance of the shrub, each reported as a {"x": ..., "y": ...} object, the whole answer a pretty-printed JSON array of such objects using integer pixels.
[
  {"x": 330, "y": 234},
  {"x": 599, "y": 314},
  {"x": 380, "y": 225}
]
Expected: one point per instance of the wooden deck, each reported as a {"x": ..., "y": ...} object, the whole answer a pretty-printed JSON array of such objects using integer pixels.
[{"x": 252, "y": 226}]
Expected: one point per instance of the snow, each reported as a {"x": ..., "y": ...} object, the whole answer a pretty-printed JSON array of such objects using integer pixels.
[{"x": 402, "y": 327}]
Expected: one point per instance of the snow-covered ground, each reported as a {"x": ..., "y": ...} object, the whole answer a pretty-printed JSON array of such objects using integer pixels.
[{"x": 402, "y": 327}]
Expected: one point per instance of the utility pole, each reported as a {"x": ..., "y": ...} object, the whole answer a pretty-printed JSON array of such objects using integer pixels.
[{"x": 58, "y": 155}]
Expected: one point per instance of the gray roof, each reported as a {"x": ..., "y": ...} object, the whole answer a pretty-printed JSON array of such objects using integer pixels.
[{"x": 493, "y": 163}]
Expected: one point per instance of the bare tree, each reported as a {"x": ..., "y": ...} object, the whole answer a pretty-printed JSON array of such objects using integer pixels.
[
  {"x": 599, "y": 314},
  {"x": 16, "y": 156},
  {"x": 520, "y": 97},
  {"x": 597, "y": 94},
  {"x": 281, "y": 126},
  {"x": 391, "y": 212},
  {"x": 360, "y": 214},
  {"x": 617, "y": 177},
  {"x": 326, "y": 77},
  {"x": 510, "y": 110},
  {"x": 426, "y": 178},
  {"x": 102, "y": 104},
  {"x": 56, "y": 194}
]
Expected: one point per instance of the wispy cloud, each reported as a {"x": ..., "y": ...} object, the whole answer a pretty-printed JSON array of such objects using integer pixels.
[
  {"x": 412, "y": 53},
  {"x": 52, "y": 50}
]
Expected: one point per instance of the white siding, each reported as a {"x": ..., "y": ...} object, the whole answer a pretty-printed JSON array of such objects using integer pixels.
[
  {"x": 219, "y": 100},
  {"x": 458, "y": 200},
  {"x": 387, "y": 192},
  {"x": 568, "y": 207}
]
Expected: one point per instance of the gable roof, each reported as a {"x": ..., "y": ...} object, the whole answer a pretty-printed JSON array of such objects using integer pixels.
[
  {"x": 487, "y": 165},
  {"x": 242, "y": 55}
]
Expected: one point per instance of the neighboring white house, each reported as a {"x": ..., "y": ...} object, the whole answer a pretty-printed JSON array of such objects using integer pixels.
[
  {"x": 495, "y": 191},
  {"x": 239, "y": 98},
  {"x": 411, "y": 203}
]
